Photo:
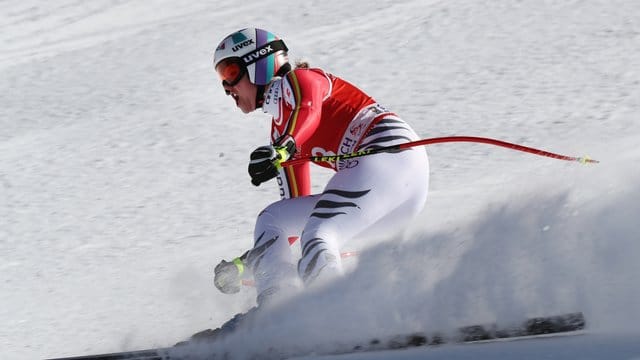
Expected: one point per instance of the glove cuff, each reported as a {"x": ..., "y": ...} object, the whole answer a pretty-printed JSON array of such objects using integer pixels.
[
  {"x": 285, "y": 147},
  {"x": 239, "y": 265},
  {"x": 283, "y": 155}
]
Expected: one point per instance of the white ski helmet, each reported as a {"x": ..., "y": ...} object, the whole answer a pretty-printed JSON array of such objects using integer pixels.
[{"x": 261, "y": 53}]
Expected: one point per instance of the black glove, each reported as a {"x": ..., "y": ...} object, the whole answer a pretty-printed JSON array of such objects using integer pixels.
[
  {"x": 228, "y": 276},
  {"x": 265, "y": 161}
]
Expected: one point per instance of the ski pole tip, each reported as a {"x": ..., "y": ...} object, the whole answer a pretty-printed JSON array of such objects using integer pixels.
[{"x": 587, "y": 160}]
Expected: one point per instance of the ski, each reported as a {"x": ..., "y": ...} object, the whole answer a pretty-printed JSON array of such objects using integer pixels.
[
  {"x": 530, "y": 328},
  {"x": 149, "y": 354}
]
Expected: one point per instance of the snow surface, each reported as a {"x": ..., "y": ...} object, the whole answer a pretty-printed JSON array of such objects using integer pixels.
[{"x": 123, "y": 173}]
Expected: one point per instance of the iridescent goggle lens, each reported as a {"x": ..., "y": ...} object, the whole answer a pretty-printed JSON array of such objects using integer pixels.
[{"x": 231, "y": 71}]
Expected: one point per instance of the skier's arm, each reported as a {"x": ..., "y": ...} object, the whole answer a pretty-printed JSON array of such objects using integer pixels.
[
  {"x": 305, "y": 90},
  {"x": 303, "y": 94}
]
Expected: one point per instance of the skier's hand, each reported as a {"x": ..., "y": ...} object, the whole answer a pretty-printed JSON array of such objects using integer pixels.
[
  {"x": 265, "y": 161},
  {"x": 228, "y": 276}
]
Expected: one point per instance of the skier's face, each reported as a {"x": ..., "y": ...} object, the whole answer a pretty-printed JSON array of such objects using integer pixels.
[
  {"x": 243, "y": 93},
  {"x": 236, "y": 84}
]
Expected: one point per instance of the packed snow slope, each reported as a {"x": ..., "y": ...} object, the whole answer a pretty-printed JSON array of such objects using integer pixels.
[{"x": 123, "y": 171}]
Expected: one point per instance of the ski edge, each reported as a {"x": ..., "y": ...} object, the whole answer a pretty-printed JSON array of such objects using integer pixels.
[{"x": 529, "y": 329}]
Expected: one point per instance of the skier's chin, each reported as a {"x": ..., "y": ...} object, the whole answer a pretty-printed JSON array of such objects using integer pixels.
[
  {"x": 244, "y": 109},
  {"x": 238, "y": 105}
]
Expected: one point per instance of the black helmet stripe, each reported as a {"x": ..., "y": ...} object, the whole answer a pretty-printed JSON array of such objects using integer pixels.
[{"x": 264, "y": 51}]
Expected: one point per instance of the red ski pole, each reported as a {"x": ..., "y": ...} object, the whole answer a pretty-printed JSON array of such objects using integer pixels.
[{"x": 438, "y": 140}]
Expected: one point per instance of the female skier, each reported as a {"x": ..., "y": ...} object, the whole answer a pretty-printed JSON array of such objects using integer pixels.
[{"x": 314, "y": 113}]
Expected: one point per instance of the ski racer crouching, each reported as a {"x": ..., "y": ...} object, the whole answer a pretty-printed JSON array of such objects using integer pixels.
[{"x": 314, "y": 113}]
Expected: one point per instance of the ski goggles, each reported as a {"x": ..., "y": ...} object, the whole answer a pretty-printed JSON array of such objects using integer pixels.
[{"x": 231, "y": 71}]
